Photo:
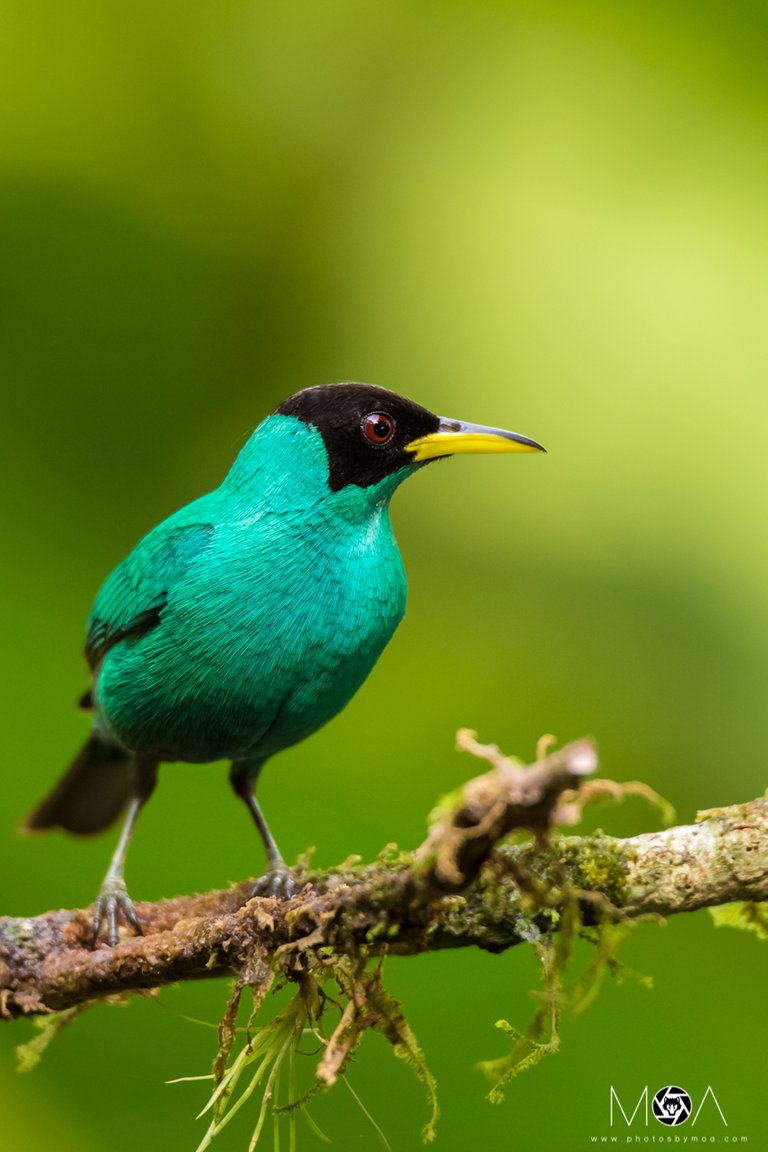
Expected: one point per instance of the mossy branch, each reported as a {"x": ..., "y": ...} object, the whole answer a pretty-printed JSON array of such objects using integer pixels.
[{"x": 459, "y": 889}]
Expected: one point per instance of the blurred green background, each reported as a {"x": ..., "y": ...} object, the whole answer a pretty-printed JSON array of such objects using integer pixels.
[{"x": 549, "y": 216}]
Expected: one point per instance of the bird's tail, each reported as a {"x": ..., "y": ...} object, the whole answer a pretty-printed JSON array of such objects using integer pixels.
[{"x": 91, "y": 793}]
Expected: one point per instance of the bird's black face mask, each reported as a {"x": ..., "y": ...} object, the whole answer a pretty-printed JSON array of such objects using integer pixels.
[{"x": 370, "y": 433}]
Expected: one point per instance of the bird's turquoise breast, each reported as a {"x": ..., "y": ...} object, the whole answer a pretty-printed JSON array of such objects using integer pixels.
[{"x": 269, "y": 630}]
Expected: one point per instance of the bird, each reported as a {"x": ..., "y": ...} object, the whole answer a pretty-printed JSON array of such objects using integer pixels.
[{"x": 249, "y": 618}]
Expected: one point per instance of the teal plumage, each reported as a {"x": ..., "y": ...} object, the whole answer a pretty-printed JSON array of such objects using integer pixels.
[
  {"x": 277, "y": 596},
  {"x": 249, "y": 618}
]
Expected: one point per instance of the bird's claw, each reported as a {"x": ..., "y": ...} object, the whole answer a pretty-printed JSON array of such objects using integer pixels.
[
  {"x": 113, "y": 901},
  {"x": 278, "y": 882}
]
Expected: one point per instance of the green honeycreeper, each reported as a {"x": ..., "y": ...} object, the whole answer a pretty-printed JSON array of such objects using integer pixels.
[{"x": 249, "y": 618}]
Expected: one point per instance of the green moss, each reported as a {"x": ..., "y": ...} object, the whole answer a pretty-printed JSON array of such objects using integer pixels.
[
  {"x": 46, "y": 1027},
  {"x": 597, "y": 863},
  {"x": 446, "y": 805},
  {"x": 745, "y": 914}
]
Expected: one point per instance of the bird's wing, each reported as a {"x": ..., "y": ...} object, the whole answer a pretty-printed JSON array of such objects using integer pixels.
[{"x": 131, "y": 600}]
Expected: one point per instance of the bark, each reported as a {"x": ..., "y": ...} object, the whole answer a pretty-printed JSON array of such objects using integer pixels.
[{"x": 459, "y": 889}]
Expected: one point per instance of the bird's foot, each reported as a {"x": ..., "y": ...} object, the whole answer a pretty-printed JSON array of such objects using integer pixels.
[
  {"x": 112, "y": 902},
  {"x": 278, "y": 881}
]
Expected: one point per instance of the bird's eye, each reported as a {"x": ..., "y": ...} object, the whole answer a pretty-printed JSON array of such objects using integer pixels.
[{"x": 378, "y": 427}]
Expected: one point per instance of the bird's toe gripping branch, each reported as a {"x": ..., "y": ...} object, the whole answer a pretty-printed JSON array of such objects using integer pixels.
[
  {"x": 112, "y": 903},
  {"x": 278, "y": 881}
]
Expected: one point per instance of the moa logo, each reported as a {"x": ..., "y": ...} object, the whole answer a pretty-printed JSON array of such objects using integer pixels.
[{"x": 670, "y": 1106}]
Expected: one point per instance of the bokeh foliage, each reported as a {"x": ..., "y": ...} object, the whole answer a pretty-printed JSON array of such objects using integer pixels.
[{"x": 549, "y": 216}]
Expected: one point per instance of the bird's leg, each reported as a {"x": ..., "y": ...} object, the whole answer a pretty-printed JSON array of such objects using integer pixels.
[
  {"x": 113, "y": 899},
  {"x": 277, "y": 880}
]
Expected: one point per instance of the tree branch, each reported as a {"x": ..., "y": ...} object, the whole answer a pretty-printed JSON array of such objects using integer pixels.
[{"x": 457, "y": 890}]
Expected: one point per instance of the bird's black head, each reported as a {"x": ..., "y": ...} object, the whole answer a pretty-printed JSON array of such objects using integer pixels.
[
  {"x": 370, "y": 433},
  {"x": 366, "y": 430}
]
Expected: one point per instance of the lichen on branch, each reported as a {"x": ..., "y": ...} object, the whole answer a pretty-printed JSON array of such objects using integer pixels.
[
  {"x": 467, "y": 885},
  {"x": 459, "y": 889}
]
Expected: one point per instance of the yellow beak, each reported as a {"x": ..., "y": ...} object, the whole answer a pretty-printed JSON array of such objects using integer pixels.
[{"x": 454, "y": 437}]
